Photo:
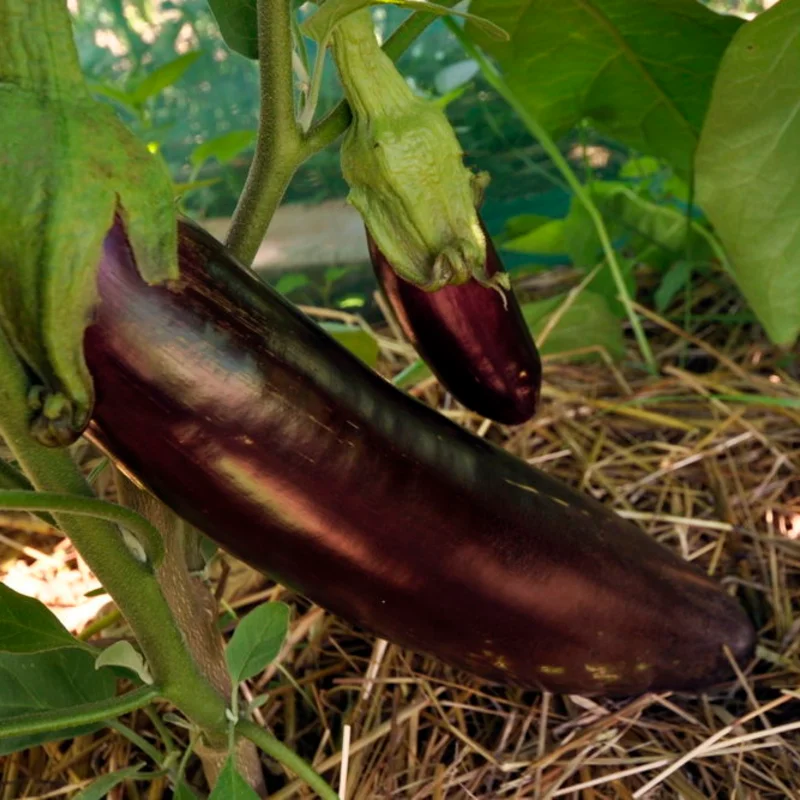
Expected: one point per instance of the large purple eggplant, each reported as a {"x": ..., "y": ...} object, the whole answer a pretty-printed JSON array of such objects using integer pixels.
[
  {"x": 254, "y": 425},
  {"x": 473, "y": 338}
]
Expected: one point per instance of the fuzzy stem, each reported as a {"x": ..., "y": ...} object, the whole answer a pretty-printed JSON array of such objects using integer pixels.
[
  {"x": 335, "y": 123},
  {"x": 37, "y": 51},
  {"x": 363, "y": 66},
  {"x": 131, "y": 584},
  {"x": 279, "y": 144},
  {"x": 268, "y": 744}
]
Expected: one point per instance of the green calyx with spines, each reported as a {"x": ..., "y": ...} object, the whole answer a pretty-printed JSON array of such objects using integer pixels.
[
  {"x": 67, "y": 167},
  {"x": 404, "y": 165}
]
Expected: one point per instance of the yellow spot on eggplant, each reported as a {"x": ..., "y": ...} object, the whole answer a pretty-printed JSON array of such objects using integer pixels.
[
  {"x": 642, "y": 666},
  {"x": 522, "y": 486},
  {"x": 548, "y": 670},
  {"x": 602, "y": 672},
  {"x": 500, "y": 662}
]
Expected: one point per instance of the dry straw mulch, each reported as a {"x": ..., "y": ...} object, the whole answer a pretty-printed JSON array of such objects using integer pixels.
[{"x": 704, "y": 456}]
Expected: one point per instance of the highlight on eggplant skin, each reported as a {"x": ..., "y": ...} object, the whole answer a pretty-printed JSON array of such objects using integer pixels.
[
  {"x": 254, "y": 425},
  {"x": 478, "y": 346}
]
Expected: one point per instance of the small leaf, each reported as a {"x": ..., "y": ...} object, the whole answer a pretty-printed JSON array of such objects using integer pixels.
[
  {"x": 113, "y": 93},
  {"x": 231, "y": 785},
  {"x": 454, "y": 76},
  {"x": 291, "y": 282},
  {"x": 164, "y": 76},
  {"x": 123, "y": 654},
  {"x": 182, "y": 189},
  {"x": 416, "y": 372},
  {"x": 587, "y": 322},
  {"x": 677, "y": 277},
  {"x": 257, "y": 640},
  {"x": 183, "y": 792},
  {"x": 57, "y": 679},
  {"x": 356, "y": 340},
  {"x": 333, "y": 274},
  {"x": 28, "y": 626},
  {"x": 223, "y": 148},
  {"x": 640, "y": 168},
  {"x": 546, "y": 238},
  {"x": 238, "y": 25},
  {"x": 102, "y": 786}
]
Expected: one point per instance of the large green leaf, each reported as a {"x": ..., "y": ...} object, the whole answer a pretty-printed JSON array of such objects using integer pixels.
[
  {"x": 35, "y": 682},
  {"x": 28, "y": 626},
  {"x": 231, "y": 785},
  {"x": 641, "y": 70},
  {"x": 748, "y": 166}
]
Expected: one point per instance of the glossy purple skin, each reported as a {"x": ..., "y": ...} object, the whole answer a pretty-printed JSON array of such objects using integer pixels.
[
  {"x": 479, "y": 348},
  {"x": 250, "y": 422}
]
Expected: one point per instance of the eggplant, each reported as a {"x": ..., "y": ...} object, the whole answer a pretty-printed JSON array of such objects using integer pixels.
[
  {"x": 472, "y": 336},
  {"x": 246, "y": 418}
]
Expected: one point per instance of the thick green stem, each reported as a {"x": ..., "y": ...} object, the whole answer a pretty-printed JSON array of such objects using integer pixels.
[
  {"x": 62, "y": 718},
  {"x": 279, "y": 145},
  {"x": 37, "y": 51},
  {"x": 267, "y": 743},
  {"x": 549, "y": 146},
  {"x": 131, "y": 583}
]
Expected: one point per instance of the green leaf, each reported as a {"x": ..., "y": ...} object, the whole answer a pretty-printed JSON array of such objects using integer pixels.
[
  {"x": 123, "y": 654},
  {"x": 257, "y": 640},
  {"x": 291, "y": 282},
  {"x": 102, "y": 786},
  {"x": 181, "y": 189},
  {"x": 413, "y": 374},
  {"x": 546, "y": 237},
  {"x": 586, "y": 323},
  {"x": 640, "y": 70},
  {"x": 356, "y": 340},
  {"x": 223, "y": 148},
  {"x": 159, "y": 79},
  {"x": 238, "y": 25},
  {"x": 231, "y": 785},
  {"x": 183, "y": 792},
  {"x": 113, "y": 93},
  {"x": 654, "y": 232},
  {"x": 677, "y": 277},
  {"x": 604, "y": 284},
  {"x": 28, "y": 626},
  {"x": 643, "y": 167},
  {"x": 748, "y": 166},
  {"x": 56, "y": 679}
]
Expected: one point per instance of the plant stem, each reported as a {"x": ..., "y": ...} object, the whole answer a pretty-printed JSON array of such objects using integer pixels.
[
  {"x": 267, "y": 743},
  {"x": 61, "y": 718},
  {"x": 335, "y": 123},
  {"x": 131, "y": 584},
  {"x": 498, "y": 83},
  {"x": 279, "y": 144},
  {"x": 31, "y": 500},
  {"x": 139, "y": 741}
]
